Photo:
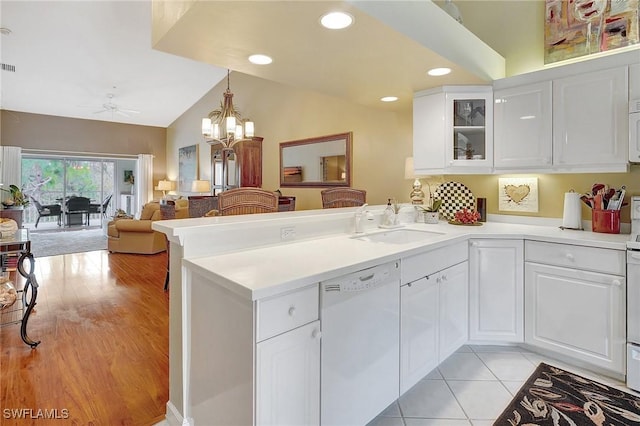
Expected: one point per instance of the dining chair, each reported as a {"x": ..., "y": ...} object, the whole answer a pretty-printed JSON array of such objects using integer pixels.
[
  {"x": 343, "y": 197},
  {"x": 247, "y": 201}
]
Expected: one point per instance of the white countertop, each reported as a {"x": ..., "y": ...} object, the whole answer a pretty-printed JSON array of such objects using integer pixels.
[{"x": 274, "y": 269}]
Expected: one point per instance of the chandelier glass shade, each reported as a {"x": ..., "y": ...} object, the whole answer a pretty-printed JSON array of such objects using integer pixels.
[{"x": 225, "y": 125}]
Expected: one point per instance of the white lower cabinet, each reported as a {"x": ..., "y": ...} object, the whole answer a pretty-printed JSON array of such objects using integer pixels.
[
  {"x": 418, "y": 331},
  {"x": 454, "y": 308},
  {"x": 433, "y": 321},
  {"x": 496, "y": 303},
  {"x": 288, "y": 378},
  {"x": 576, "y": 302}
]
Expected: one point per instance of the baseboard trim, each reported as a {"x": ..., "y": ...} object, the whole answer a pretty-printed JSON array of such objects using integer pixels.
[{"x": 174, "y": 418}]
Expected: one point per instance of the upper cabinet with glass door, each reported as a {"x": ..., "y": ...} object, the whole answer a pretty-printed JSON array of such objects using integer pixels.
[{"x": 453, "y": 130}]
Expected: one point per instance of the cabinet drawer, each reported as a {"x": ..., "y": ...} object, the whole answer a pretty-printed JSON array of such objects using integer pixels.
[
  {"x": 284, "y": 312},
  {"x": 427, "y": 263},
  {"x": 579, "y": 257}
]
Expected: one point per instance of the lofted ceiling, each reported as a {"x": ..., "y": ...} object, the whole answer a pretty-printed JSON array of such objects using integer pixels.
[{"x": 70, "y": 56}]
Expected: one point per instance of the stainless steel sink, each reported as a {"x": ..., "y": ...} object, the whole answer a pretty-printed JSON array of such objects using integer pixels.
[{"x": 398, "y": 236}]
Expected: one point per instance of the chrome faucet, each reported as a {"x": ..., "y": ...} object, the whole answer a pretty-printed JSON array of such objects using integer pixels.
[{"x": 360, "y": 213}]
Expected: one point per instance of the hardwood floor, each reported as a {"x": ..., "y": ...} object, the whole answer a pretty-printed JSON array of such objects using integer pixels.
[{"x": 103, "y": 320}]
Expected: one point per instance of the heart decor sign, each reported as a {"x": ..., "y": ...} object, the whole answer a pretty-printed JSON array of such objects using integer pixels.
[{"x": 517, "y": 193}]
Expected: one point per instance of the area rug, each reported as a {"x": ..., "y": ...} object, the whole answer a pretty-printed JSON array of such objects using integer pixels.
[
  {"x": 65, "y": 242},
  {"x": 552, "y": 396}
]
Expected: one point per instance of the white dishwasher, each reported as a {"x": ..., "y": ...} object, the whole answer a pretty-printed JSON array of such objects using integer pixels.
[{"x": 359, "y": 375}]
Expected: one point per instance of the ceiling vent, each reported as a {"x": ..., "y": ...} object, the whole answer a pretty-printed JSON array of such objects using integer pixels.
[{"x": 7, "y": 67}]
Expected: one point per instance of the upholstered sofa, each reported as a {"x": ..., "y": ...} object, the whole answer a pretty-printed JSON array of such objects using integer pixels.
[{"x": 136, "y": 235}]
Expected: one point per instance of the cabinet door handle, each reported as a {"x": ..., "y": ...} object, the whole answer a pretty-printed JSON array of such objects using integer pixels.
[
  {"x": 292, "y": 311},
  {"x": 617, "y": 283},
  {"x": 438, "y": 280},
  {"x": 316, "y": 334},
  {"x": 569, "y": 256},
  {"x": 444, "y": 278}
]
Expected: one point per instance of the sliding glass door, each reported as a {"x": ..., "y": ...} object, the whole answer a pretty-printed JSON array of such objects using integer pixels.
[{"x": 53, "y": 180}]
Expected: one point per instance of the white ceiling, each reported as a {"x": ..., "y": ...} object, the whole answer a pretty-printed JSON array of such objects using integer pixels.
[{"x": 69, "y": 55}]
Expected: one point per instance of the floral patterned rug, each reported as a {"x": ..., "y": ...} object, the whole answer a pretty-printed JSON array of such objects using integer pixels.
[{"x": 552, "y": 396}]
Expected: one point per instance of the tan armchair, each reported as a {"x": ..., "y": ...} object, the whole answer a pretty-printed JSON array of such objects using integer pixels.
[{"x": 136, "y": 235}]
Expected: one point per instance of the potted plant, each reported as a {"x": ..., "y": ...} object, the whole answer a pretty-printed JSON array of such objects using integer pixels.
[
  {"x": 17, "y": 199},
  {"x": 430, "y": 213}
]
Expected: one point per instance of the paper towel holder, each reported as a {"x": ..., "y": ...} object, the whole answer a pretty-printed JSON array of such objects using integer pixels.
[{"x": 579, "y": 228}]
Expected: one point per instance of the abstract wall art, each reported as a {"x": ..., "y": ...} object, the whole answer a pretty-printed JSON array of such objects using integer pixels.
[
  {"x": 187, "y": 167},
  {"x": 574, "y": 28}
]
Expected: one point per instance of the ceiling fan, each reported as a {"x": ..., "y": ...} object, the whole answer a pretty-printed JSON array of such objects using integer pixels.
[{"x": 113, "y": 108}]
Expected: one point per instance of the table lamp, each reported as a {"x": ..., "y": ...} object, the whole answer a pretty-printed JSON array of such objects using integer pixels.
[
  {"x": 164, "y": 186},
  {"x": 201, "y": 186},
  {"x": 417, "y": 195}
]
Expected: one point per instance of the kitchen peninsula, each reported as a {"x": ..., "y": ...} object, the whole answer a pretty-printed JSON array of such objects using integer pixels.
[{"x": 243, "y": 299}]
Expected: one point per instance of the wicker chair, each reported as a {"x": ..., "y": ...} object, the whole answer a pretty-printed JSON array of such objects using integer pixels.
[
  {"x": 343, "y": 197},
  {"x": 247, "y": 201}
]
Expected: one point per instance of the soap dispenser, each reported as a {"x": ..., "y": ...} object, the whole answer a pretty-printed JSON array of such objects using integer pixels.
[{"x": 388, "y": 215}]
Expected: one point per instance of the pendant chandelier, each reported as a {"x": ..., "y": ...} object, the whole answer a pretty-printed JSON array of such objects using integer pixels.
[{"x": 225, "y": 125}]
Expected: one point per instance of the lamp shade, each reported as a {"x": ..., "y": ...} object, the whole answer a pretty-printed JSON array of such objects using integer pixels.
[
  {"x": 201, "y": 186},
  {"x": 166, "y": 185},
  {"x": 409, "y": 173}
]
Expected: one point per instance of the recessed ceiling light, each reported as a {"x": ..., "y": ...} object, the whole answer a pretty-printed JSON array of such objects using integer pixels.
[
  {"x": 336, "y": 20},
  {"x": 389, "y": 99},
  {"x": 260, "y": 59},
  {"x": 436, "y": 72}
]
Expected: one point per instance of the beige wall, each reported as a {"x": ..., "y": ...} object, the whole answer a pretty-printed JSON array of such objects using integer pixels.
[
  {"x": 381, "y": 139},
  {"x": 47, "y": 132},
  {"x": 551, "y": 189}
]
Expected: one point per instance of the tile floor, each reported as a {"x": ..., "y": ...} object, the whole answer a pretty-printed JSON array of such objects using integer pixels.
[{"x": 471, "y": 387}]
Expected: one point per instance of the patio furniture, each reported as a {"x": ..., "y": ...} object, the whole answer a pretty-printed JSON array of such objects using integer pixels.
[
  {"x": 47, "y": 210},
  {"x": 76, "y": 209},
  {"x": 100, "y": 208}
]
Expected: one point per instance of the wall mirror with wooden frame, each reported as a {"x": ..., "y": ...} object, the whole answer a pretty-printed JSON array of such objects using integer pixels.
[{"x": 321, "y": 161}]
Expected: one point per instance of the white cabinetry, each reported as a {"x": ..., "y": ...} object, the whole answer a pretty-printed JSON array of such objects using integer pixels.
[
  {"x": 522, "y": 127},
  {"x": 250, "y": 362},
  {"x": 453, "y": 309},
  {"x": 288, "y": 361},
  {"x": 496, "y": 303},
  {"x": 288, "y": 378},
  {"x": 576, "y": 302},
  {"x": 453, "y": 130},
  {"x": 590, "y": 113},
  {"x": 433, "y": 310},
  {"x": 418, "y": 331}
]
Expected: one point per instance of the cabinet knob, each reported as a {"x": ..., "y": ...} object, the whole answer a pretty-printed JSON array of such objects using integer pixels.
[
  {"x": 439, "y": 280},
  {"x": 444, "y": 278},
  {"x": 316, "y": 334},
  {"x": 569, "y": 256},
  {"x": 292, "y": 310},
  {"x": 474, "y": 244},
  {"x": 617, "y": 283}
]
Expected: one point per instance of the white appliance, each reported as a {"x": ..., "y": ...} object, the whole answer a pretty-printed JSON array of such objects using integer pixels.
[
  {"x": 633, "y": 298},
  {"x": 360, "y": 345},
  {"x": 634, "y": 131}
]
